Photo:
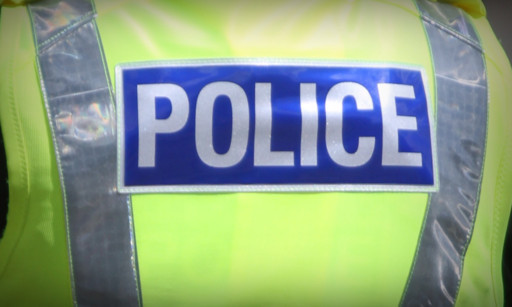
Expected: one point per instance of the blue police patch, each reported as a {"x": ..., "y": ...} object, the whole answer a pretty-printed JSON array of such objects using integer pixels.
[{"x": 260, "y": 125}]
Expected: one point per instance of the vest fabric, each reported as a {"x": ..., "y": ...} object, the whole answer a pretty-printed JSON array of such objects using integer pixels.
[{"x": 71, "y": 238}]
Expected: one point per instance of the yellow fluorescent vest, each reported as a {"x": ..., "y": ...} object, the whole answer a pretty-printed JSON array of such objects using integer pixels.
[{"x": 217, "y": 249}]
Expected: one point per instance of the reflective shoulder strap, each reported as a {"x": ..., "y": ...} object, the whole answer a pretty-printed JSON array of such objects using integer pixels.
[
  {"x": 78, "y": 98},
  {"x": 461, "y": 87}
]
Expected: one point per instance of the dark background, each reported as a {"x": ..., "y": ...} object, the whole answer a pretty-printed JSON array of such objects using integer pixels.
[{"x": 499, "y": 13}]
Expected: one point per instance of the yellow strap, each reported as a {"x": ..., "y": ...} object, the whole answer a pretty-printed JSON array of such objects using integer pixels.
[{"x": 474, "y": 8}]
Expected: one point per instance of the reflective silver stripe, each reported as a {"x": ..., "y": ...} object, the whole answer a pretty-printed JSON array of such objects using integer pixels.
[
  {"x": 78, "y": 98},
  {"x": 461, "y": 126}
]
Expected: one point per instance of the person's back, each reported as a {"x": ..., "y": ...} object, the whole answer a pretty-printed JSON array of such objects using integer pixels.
[{"x": 289, "y": 153}]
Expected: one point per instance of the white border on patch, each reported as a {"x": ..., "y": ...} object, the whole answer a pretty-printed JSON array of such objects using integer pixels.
[{"x": 202, "y": 188}]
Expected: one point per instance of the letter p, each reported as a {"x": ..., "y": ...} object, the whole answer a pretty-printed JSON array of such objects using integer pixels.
[{"x": 149, "y": 125}]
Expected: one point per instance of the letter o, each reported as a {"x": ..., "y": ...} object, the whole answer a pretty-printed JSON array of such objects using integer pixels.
[{"x": 204, "y": 124}]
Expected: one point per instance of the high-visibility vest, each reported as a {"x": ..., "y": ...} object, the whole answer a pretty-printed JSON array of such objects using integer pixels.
[{"x": 73, "y": 237}]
